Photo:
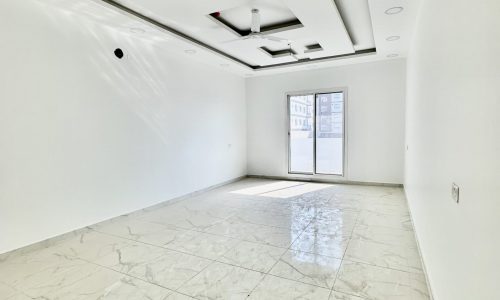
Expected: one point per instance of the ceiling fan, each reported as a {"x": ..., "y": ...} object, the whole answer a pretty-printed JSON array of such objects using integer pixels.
[{"x": 255, "y": 33}]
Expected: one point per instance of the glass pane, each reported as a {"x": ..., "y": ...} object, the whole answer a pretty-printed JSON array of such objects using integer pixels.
[
  {"x": 330, "y": 133},
  {"x": 301, "y": 133}
]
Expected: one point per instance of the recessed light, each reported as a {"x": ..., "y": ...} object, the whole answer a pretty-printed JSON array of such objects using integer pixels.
[
  {"x": 392, "y": 55},
  {"x": 224, "y": 65},
  {"x": 137, "y": 30},
  {"x": 393, "y": 38},
  {"x": 190, "y": 51},
  {"x": 394, "y": 10}
]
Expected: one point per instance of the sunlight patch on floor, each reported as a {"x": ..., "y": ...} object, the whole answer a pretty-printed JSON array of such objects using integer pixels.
[
  {"x": 296, "y": 190},
  {"x": 282, "y": 189},
  {"x": 269, "y": 187}
]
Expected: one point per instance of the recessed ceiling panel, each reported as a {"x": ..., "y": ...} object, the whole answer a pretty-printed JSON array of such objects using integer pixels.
[
  {"x": 221, "y": 24},
  {"x": 271, "y": 13},
  {"x": 185, "y": 27},
  {"x": 357, "y": 19}
]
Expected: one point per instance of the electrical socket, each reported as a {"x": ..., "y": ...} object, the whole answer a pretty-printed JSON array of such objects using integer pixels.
[{"x": 455, "y": 192}]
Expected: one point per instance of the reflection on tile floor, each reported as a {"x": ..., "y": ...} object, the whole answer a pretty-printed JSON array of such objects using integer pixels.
[{"x": 256, "y": 239}]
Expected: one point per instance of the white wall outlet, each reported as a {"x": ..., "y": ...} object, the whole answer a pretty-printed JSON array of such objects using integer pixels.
[{"x": 455, "y": 192}]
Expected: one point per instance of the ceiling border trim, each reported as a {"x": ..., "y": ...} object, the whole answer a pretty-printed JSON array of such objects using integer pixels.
[
  {"x": 174, "y": 32},
  {"x": 358, "y": 53},
  {"x": 128, "y": 11}
]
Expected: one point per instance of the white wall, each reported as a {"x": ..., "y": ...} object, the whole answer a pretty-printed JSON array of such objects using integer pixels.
[
  {"x": 85, "y": 137},
  {"x": 453, "y": 135},
  {"x": 375, "y": 119}
]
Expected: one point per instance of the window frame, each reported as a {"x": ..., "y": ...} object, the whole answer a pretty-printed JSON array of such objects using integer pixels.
[{"x": 315, "y": 93}]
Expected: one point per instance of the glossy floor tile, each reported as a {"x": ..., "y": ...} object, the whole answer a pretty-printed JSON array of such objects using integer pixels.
[
  {"x": 255, "y": 239},
  {"x": 372, "y": 282},
  {"x": 307, "y": 268}
]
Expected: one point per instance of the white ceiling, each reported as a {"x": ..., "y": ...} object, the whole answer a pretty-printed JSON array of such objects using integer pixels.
[{"x": 341, "y": 27}]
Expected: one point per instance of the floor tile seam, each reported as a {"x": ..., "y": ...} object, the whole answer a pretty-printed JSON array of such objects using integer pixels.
[
  {"x": 410, "y": 231},
  {"x": 345, "y": 251},
  {"x": 382, "y": 267},
  {"x": 227, "y": 251},
  {"x": 266, "y": 225},
  {"x": 383, "y": 214},
  {"x": 51, "y": 265},
  {"x": 350, "y": 294},
  {"x": 264, "y": 244},
  {"x": 375, "y": 201},
  {"x": 163, "y": 247},
  {"x": 390, "y": 227},
  {"x": 122, "y": 273},
  {"x": 379, "y": 266},
  {"x": 298, "y": 281},
  {"x": 388, "y": 214},
  {"x": 93, "y": 273},
  {"x": 188, "y": 280},
  {"x": 301, "y": 282},
  {"x": 142, "y": 219},
  {"x": 176, "y": 250},
  {"x": 186, "y": 230},
  {"x": 277, "y": 261},
  {"x": 251, "y": 223},
  {"x": 159, "y": 223},
  {"x": 224, "y": 263},
  {"x": 212, "y": 260},
  {"x": 357, "y": 238},
  {"x": 178, "y": 229}
]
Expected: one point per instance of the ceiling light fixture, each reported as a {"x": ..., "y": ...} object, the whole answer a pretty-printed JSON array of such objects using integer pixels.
[
  {"x": 392, "y": 55},
  {"x": 394, "y": 10},
  {"x": 393, "y": 38},
  {"x": 190, "y": 51}
]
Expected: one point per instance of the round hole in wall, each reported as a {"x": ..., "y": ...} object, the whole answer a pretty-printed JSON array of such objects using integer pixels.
[{"x": 119, "y": 53}]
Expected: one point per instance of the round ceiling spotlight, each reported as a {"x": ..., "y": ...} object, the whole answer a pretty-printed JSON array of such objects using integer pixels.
[
  {"x": 190, "y": 51},
  {"x": 394, "y": 10},
  {"x": 119, "y": 53},
  {"x": 137, "y": 30},
  {"x": 393, "y": 38},
  {"x": 392, "y": 55}
]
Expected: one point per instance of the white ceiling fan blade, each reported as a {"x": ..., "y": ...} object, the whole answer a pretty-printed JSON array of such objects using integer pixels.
[{"x": 255, "y": 20}]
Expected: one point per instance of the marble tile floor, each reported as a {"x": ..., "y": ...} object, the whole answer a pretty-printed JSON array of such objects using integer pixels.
[{"x": 255, "y": 239}]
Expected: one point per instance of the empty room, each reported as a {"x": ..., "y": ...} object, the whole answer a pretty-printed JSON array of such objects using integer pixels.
[{"x": 249, "y": 149}]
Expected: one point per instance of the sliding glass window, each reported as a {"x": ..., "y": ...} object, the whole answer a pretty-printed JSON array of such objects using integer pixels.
[{"x": 316, "y": 133}]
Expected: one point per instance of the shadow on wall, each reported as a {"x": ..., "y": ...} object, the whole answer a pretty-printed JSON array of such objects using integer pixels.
[{"x": 142, "y": 81}]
